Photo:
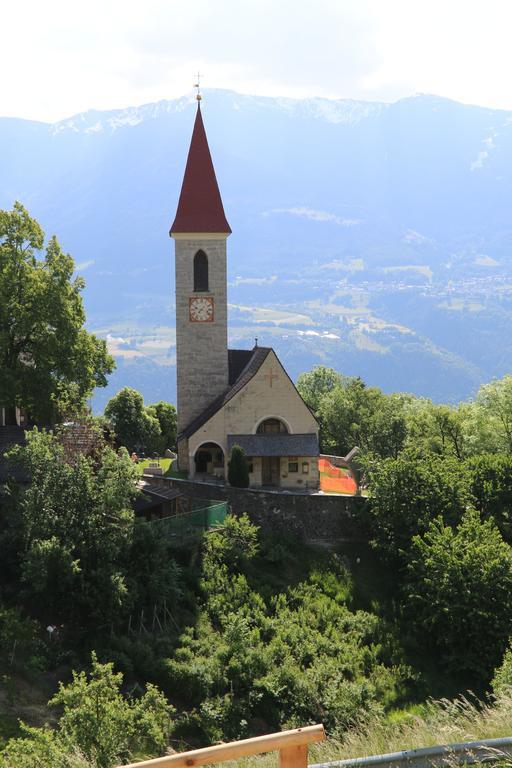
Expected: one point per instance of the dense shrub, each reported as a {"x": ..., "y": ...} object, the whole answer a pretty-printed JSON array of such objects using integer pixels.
[
  {"x": 459, "y": 582},
  {"x": 407, "y": 493},
  {"x": 255, "y": 662},
  {"x": 238, "y": 469}
]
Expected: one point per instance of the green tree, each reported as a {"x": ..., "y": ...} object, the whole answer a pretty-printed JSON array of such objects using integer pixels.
[
  {"x": 408, "y": 492},
  {"x": 49, "y": 363},
  {"x": 502, "y": 680},
  {"x": 353, "y": 414},
  {"x": 315, "y": 384},
  {"x": 495, "y": 401},
  {"x": 103, "y": 725},
  {"x": 98, "y": 727},
  {"x": 40, "y": 748},
  {"x": 72, "y": 527},
  {"x": 165, "y": 414},
  {"x": 238, "y": 469},
  {"x": 18, "y": 636},
  {"x": 440, "y": 429},
  {"x": 135, "y": 428},
  {"x": 491, "y": 487},
  {"x": 458, "y": 586}
]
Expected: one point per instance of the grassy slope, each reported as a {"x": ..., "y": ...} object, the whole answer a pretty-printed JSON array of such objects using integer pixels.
[{"x": 440, "y": 722}]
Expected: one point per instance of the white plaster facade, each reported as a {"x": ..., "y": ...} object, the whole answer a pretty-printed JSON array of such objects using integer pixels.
[{"x": 269, "y": 394}]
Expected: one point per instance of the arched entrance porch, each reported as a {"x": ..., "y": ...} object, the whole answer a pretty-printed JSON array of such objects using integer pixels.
[{"x": 209, "y": 461}]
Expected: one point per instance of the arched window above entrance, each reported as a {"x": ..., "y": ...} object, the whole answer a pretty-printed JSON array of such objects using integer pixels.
[
  {"x": 200, "y": 272},
  {"x": 271, "y": 427}
]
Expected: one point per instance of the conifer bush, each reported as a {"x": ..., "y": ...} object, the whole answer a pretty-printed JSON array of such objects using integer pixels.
[{"x": 238, "y": 469}]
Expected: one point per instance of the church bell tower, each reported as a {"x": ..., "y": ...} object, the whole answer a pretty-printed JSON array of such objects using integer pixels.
[{"x": 200, "y": 231}]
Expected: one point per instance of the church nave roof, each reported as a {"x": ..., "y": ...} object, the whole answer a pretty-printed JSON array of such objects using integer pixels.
[{"x": 254, "y": 360}]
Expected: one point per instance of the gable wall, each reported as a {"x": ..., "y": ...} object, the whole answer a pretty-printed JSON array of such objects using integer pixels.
[{"x": 254, "y": 403}]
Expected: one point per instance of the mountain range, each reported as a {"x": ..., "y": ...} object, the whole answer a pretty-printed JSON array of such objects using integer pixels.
[{"x": 375, "y": 238}]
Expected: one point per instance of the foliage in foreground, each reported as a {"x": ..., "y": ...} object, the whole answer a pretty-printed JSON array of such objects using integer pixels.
[{"x": 98, "y": 725}]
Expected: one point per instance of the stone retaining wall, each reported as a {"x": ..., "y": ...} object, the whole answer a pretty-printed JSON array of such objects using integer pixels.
[{"x": 312, "y": 516}]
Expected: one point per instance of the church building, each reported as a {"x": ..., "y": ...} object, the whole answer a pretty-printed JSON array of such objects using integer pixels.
[{"x": 228, "y": 397}]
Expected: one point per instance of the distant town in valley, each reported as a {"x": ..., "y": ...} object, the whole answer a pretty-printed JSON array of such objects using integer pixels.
[{"x": 410, "y": 290}]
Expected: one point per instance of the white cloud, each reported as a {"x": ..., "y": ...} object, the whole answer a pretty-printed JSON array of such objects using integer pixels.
[
  {"x": 411, "y": 236},
  {"x": 323, "y": 334},
  {"x": 82, "y": 265},
  {"x": 314, "y": 215},
  {"x": 254, "y": 280},
  {"x": 113, "y": 53}
]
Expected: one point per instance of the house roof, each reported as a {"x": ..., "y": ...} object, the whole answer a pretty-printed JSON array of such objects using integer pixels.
[
  {"x": 255, "y": 359},
  {"x": 200, "y": 206},
  {"x": 162, "y": 492},
  {"x": 237, "y": 360},
  {"x": 281, "y": 444}
]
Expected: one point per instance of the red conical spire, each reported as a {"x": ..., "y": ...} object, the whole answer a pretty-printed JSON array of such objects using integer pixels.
[{"x": 200, "y": 206}]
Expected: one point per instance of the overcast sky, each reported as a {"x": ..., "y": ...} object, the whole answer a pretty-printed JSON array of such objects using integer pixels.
[{"x": 59, "y": 57}]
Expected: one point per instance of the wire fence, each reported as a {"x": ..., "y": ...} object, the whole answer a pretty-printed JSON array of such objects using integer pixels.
[{"x": 192, "y": 525}]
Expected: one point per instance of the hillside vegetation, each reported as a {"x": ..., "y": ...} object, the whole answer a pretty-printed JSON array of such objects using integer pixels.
[{"x": 247, "y": 632}]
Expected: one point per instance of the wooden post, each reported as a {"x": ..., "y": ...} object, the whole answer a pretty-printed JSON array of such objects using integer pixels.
[{"x": 294, "y": 757}]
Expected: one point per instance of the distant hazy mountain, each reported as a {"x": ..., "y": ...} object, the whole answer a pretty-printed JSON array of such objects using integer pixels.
[{"x": 376, "y": 238}]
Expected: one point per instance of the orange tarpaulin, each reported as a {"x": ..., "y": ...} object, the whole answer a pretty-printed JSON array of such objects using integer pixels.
[{"x": 335, "y": 479}]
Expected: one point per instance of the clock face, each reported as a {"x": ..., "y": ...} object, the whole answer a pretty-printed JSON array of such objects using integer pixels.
[{"x": 200, "y": 309}]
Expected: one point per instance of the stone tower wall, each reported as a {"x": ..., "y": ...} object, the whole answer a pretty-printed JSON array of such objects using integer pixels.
[{"x": 201, "y": 348}]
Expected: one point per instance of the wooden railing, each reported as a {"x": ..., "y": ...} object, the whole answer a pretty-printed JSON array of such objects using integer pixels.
[{"x": 291, "y": 745}]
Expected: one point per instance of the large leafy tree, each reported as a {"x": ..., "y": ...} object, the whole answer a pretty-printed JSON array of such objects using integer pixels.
[
  {"x": 495, "y": 401},
  {"x": 458, "y": 590},
  {"x": 316, "y": 383},
  {"x": 49, "y": 363},
  {"x": 442, "y": 429},
  {"x": 408, "y": 492},
  {"x": 136, "y": 428},
  {"x": 165, "y": 414},
  {"x": 353, "y": 414},
  {"x": 491, "y": 487}
]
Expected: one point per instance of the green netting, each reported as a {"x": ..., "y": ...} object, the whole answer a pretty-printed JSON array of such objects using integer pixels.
[{"x": 192, "y": 525}]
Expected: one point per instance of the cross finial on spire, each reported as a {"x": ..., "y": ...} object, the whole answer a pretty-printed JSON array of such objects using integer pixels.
[{"x": 198, "y": 87}]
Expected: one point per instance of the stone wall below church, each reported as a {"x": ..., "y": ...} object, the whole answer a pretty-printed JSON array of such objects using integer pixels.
[{"x": 313, "y": 517}]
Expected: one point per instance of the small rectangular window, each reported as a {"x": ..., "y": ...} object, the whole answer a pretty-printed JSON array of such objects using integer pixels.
[
  {"x": 305, "y": 467},
  {"x": 293, "y": 466}
]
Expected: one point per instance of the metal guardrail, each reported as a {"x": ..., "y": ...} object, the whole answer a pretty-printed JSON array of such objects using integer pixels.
[{"x": 441, "y": 756}]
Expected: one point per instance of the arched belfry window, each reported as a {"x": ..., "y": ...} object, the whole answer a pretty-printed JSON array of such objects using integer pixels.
[{"x": 200, "y": 271}]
